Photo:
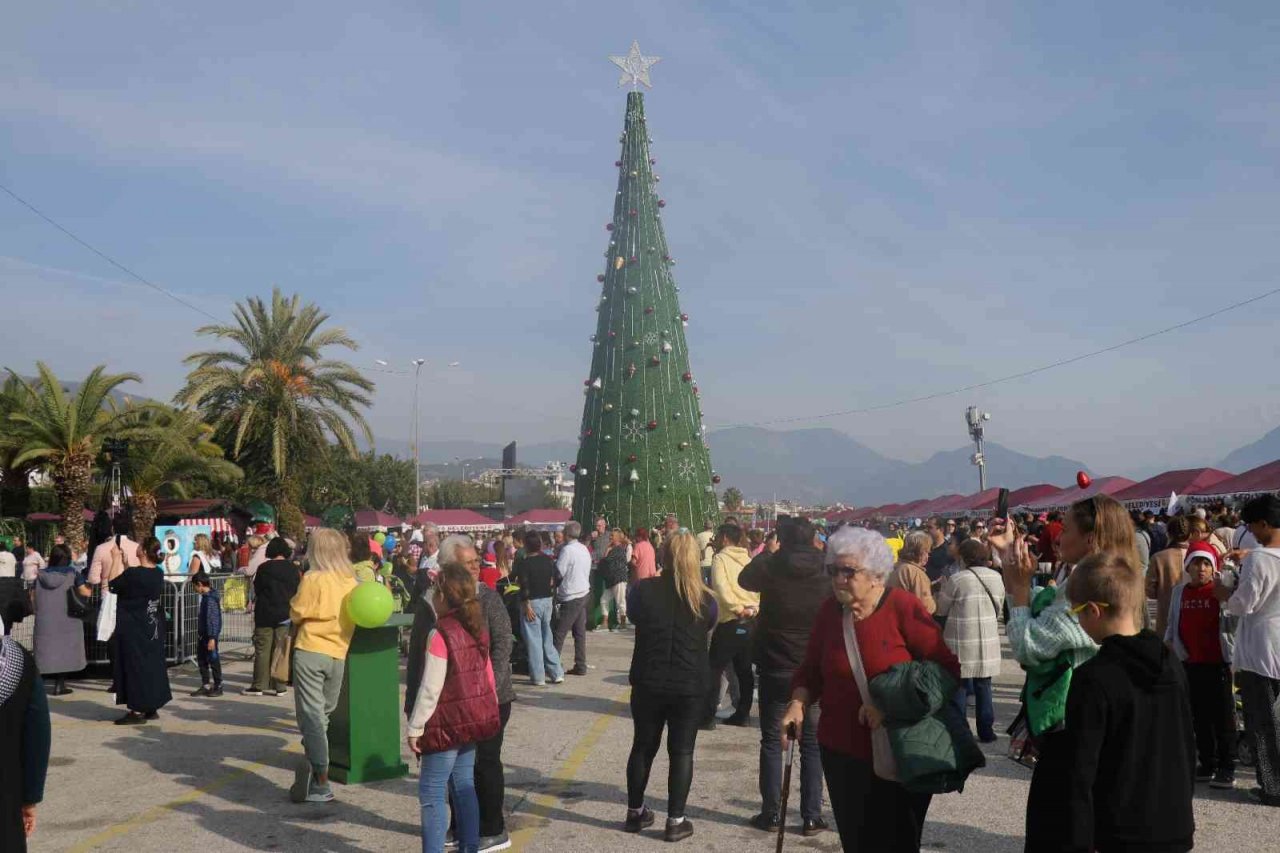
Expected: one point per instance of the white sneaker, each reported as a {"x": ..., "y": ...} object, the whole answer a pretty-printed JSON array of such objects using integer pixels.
[{"x": 559, "y": 680}]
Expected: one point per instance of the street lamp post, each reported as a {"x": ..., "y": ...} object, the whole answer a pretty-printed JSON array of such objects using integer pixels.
[
  {"x": 417, "y": 460},
  {"x": 975, "y": 420}
]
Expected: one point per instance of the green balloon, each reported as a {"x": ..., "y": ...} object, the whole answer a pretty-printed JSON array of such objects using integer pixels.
[
  {"x": 379, "y": 537},
  {"x": 370, "y": 604}
]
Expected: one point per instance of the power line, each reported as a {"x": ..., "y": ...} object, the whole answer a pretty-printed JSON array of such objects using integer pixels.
[
  {"x": 1012, "y": 376},
  {"x": 124, "y": 269}
]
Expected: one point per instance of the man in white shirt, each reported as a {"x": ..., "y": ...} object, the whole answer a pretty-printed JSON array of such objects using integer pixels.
[
  {"x": 574, "y": 567},
  {"x": 8, "y": 564},
  {"x": 430, "y": 559},
  {"x": 32, "y": 563},
  {"x": 1256, "y": 600}
]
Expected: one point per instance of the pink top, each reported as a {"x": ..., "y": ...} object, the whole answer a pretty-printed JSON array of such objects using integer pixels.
[{"x": 644, "y": 562}]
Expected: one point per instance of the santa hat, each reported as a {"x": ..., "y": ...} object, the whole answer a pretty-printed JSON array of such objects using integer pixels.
[
  {"x": 489, "y": 560},
  {"x": 1200, "y": 550}
]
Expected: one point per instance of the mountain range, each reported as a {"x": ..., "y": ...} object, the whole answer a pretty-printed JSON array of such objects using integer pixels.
[{"x": 807, "y": 465}]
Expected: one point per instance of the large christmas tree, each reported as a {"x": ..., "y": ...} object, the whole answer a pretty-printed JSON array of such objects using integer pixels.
[{"x": 643, "y": 453}]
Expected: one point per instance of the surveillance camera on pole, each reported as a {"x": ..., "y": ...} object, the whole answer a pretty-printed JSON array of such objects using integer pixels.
[{"x": 976, "y": 420}]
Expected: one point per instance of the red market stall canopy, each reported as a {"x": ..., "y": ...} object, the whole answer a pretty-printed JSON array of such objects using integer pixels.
[
  {"x": 1264, "y": 478},
  {"x": 311, "y": 522},
  {"x": 938, "y": 504},
  {"x": 971, "y": 503},
  {"x": 457, "y": 520},
  {"x": 541, "y": 519},
  {"x": 54, "y": 518},
  {"x": 217, "y": 525},
  {"x": 1021, "y": 497},
  {"x": 1064, "y": 498},
  {"x": 1187, "y": 481},
  {"x": 370, "y": 519}
]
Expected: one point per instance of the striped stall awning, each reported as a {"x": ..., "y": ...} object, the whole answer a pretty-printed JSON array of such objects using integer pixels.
[{"x": 218, "y": 525}]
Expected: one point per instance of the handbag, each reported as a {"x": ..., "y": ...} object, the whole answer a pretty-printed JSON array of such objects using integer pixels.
[
  {"x": 1022, "y": 744},
  {"x": 282, "y": 658},
  {"x": 79, "y": 607},
  {"x": 882, "y": 760},
  {"x": 987, "y": 590}
]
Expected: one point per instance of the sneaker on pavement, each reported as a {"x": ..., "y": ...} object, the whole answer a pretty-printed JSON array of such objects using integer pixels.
[
  {"x": 1223, "y": 780},
  {"x": 635, "y": 823},
  {"x": 493, "y": 843},
  {"x": 578, "y": 670},
  {"x": 559, "y": 680},
  {"x": 216, "y": 691},
  {"x": 814, "y": 827},
  {"x": 320, "y": 794},
  {"x": 677, "y": 831},
  {"x": 283, "y": 691},
  {"x": 203, "y": 691},
  {"x": 450, "y": 843},
  {"x": 765, "y": 822},
  {"x": 252, "y": 691}
]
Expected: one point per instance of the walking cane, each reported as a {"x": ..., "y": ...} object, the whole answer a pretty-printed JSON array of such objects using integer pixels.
[{"x": 786, "y": 785}]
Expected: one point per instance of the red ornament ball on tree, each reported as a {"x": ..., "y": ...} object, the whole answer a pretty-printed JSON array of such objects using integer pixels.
[
  {"x": 1083, "y": 480},
  {"x": 632, "y": 458},
  {"x": 655, "y": 361},
  {"x": 715, "y": 478},
  {"x": 617, "y": 162},
  {"x": 648, "y": 309},
  {"x": 684, "y": 318},
  {"x": 612, "y": 334},
  {"x": 653, "y": 424},
  {"x": 633, "y": 211},
  {"x": 687, "y": 377},
  {"x": 661, "y": 203},
  {"x": 609, "y": 227},
  {"x": 600, "y": 277},
  {"x": 573, "y": 469}
]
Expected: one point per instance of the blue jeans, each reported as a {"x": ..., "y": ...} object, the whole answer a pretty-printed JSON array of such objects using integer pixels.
[
  {"x": 443, "y": 775},
  {"x": 544, "y": 660},
  {"x": 980, "y": 690},
  {"x": 775, "y": 692}
]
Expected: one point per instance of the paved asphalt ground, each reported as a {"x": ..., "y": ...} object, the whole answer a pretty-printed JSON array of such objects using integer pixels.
[{"x": 212, "y": 775}]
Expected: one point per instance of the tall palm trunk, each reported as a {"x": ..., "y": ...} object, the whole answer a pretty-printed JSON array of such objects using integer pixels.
[
  {"x": 144, "y": 516},
  {"x": 71, "y": 478}
]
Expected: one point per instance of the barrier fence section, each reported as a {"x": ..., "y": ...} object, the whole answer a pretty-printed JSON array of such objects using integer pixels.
[{"x": 181, "y": 605}]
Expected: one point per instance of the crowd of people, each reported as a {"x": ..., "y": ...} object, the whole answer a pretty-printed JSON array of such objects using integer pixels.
[{"x": 866, "y": 646}]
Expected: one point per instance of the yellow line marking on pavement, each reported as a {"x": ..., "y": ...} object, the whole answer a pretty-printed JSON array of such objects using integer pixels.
[
  {"x": 155, "y": 813},
  {"x": 544, "y": 802}
]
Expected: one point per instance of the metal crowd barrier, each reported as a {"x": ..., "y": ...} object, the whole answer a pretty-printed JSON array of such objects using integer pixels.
[{"x": 181, "y": 606}]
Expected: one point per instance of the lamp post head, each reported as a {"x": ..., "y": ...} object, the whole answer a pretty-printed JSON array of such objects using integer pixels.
[
  {"x": 419, "y": 361},
  {"x": 381, "y": 362}
]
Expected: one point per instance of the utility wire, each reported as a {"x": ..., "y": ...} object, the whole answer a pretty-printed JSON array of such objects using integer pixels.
[
  {"x": 1012, "y": 376},
  {"x": 175, "y": 297},
  {"x": 794, "y": 419}
]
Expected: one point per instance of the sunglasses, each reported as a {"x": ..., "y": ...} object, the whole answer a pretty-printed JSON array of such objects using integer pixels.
[
  {"x": 1079, "y": 608},
  {"x": 842, "y": 572}
]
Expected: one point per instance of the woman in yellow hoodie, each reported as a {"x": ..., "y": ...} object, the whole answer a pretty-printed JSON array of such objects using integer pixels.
[
  {"x": 731, "y": 640},
  {"x": 320, "y": 653}
]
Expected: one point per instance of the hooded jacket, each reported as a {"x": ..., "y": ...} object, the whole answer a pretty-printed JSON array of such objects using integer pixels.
[
  {"x": 1120, "y": 776},
  {"x": 792, "y": 586}
]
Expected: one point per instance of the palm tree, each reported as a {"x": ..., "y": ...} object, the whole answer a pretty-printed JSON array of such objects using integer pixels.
[
  {"x": 273, "y": 397},
  {"x": 63, "y": 433},
  {"x": 15, "y": 489},
  {"x": 176, "y": 448}
]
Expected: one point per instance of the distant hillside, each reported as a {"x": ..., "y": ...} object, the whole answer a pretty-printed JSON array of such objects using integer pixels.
[
  {"x": 1262, "y": 451},
  {"x": 807, "y": 465}
]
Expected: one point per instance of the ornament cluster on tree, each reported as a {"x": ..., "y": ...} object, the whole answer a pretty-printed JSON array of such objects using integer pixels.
[{"x": 640, "y": 383}]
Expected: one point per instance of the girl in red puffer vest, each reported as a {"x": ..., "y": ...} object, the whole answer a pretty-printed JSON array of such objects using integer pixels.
[{"x": 456, "y": 708}]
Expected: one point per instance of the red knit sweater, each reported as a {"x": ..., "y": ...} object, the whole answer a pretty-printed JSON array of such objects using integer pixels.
[{"x": 900, "y": 631}]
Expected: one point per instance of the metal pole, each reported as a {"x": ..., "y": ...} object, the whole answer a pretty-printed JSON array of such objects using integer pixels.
[
  {"x": 417, "y": 460},
  {"x": 982, "y": 466}
]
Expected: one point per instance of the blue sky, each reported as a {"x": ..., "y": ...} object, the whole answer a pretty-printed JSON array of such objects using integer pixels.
[{"x": 866, "y": 204}]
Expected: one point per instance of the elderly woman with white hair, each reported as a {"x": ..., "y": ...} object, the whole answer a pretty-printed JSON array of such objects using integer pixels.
[{"x": 860, "y": 633}]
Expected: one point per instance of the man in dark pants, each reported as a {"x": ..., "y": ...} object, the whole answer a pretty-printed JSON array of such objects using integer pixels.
[
  {"x": 574, "y": 568},
  {"x": 792, "y": 585}
]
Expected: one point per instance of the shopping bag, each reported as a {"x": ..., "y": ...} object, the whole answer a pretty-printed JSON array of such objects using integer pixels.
[
  {"x": 281, "y": 657},
  {"x": 106, "y": 617},
  {"x": 235, "y": 594}
]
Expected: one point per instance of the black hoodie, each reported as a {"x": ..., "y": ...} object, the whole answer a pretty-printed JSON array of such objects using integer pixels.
[
  {"x": 792, "y": 585},
  {"x": 1121, "y": 775}
]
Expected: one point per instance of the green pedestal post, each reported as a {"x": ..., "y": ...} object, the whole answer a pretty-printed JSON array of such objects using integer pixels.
[{"x": 364, "y": 732}]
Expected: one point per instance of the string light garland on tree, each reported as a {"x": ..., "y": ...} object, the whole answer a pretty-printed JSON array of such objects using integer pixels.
[{"x": 661, "y": 465}]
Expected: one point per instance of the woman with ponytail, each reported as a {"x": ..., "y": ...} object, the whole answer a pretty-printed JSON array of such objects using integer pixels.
[
  {"x": 670, "y": 678},
  {"x": 456, "y": 707}
]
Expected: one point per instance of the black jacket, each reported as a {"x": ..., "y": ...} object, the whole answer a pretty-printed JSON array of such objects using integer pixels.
[
  {"x": 670, "y": 654},
  {"x": 792, "y": 586},
  {"x": 1121, "y": 774},
  {"x": 537, "y": 576},
  {"x": 613, "y": 568},
  {"x": 274, "y": 585}
]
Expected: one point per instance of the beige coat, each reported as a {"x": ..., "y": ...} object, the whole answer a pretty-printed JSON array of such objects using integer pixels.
[
  {"x": 1165, "y": 573},
  {"x": 912, "y": 578},
  {"x": 731, "y": 598}
]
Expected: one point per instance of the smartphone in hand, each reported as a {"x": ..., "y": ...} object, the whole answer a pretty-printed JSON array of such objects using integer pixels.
[{"x": 1002, "y": 504}]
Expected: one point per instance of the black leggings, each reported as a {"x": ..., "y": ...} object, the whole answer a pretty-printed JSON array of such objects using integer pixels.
[{"x": 650, "y": 712}]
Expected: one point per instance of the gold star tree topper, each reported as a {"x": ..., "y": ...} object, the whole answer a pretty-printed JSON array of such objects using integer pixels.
[{"x": 635, "y": 66}]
